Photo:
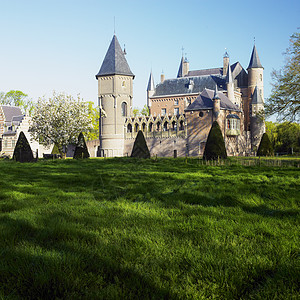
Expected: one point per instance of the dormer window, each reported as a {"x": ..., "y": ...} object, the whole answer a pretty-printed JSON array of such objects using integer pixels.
[{"x": 233, "y": 125}]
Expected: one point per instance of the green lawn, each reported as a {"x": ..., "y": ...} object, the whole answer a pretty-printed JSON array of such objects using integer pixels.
[{"x": 145, "y": 229}]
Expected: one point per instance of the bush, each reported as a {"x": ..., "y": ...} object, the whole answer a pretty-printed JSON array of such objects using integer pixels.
[
  {"x": 215, "y": 145},
  {"x": 265, "y": 147},
  {"x": 23, "y": 152},
  {"x": 55, "y": 150},
  {"x": 140, "y": 148},
  {"x": 81, "y": 150}
]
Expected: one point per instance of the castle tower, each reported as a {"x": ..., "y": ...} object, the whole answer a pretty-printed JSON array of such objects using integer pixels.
[
  {"x": 255, "y": 98},
  {"x": 183, "y": 67},
  {"x": 115, "y": 92},
  {"x": 230, "y": 84},
  {"x": 150, "y": 90}
]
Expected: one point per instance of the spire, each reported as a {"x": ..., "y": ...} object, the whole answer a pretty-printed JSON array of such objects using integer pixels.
[
  {"x": 216, "y": 94},
  {"x": 254, "y": 60},
  {"x": 229, "y": 75},
  {"x": 256, "y": 98},
  {"x": 114, "y": 61},
  {"x": 180, "y": 70},
  {"x": 151, "y": 86}
]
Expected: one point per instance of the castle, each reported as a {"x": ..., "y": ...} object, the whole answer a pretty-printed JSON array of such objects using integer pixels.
[{"x": 183, "y": 109}]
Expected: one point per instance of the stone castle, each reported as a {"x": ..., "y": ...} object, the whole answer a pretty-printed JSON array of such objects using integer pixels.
[{"x": 182, "y": 109}]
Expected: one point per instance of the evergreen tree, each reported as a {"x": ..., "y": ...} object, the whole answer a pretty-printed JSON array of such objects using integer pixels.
[
  {"x": 265, "y": 147},
  {"x": 140, "y": 148},
  {"x": 23, "y": 152},
  {"x": 81, "y": 150},
  {"x": 55, "y": 150},
  {"x": 215, "y": 145}
]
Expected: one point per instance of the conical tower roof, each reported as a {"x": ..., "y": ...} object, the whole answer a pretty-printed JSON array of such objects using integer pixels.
[
  {"x": 229, "y": 75},
  {"x": 254, "y": 60},
  {"x": 179, "y": 74},
  {"x": 151, "y": 86},
  {"x": 114, "y": 62},
  {"x": 216, "y": 96},
  {"x": 256, "y": 98}
]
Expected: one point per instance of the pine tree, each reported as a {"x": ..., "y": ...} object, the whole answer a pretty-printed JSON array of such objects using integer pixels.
[
  {"x": 140, "y": 148},
  {"x": 81, "y": 150},
  {"x": 23, "y": 152},
  {"x": 265, "y": 147},
  {"x": 215, "y": 146}
]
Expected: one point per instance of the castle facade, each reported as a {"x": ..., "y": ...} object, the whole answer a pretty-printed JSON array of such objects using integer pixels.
[{"x": 182, "y": 109}]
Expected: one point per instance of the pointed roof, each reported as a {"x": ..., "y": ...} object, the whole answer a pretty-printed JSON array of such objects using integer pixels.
[
  {"x": 205, "y": 101},
  {"x": 179, "y": 74},
  {"x": 229, "y": 75},
  {"x": 216, "y": 96},
  {"x": 114, "y": 61},
  {"x": 256, "y": 98},
  {"x": 254, "y": 60},
  {"x": 151, "y": 86}
]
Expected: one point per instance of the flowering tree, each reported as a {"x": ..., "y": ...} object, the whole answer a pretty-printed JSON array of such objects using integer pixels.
[{"x": 59, "y": 120}]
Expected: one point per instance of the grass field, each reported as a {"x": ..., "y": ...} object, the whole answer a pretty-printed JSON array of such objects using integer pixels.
[{"x": 166, "y": 229}]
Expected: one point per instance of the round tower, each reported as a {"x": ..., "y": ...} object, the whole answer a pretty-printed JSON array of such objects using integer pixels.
[
  {"x": 255, "y": 99},
  {"x": 115, "y": 92}
]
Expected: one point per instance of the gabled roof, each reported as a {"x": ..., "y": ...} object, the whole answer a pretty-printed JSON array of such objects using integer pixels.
[
  {"x": 254, "y": 60},
  {"x": 114, "y": 62},
  {"x": 10, "y": 112},
  {"x": 204, "y": 101},
  {"x": 151, "y": 86},
  {"x": 256, "y": 98}
]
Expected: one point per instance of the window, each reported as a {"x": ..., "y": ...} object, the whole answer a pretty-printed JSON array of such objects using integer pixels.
[
  {"x": 136, "y": 127},
  {"x": 129, "y": 128},
  {"x": 124, "y": 109},
  {"x": 174, "y": 125},
  {"x": 176, "y": 111},
  {"x": 176, "y": 102},
  {"x": 144, "y": 127},
  {"x": 150, "y": 126},
  {"x": 201, "y": 114},
  {"x": 166, "y": 126},
  {"x": 123, "y": 83},
  {"x": 163, "y": 111}
]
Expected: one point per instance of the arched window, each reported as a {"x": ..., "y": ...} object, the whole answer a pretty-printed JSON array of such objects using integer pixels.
[
  {"x": 181, "y": 125},
  {"x": 150, "y": 126},
  {"x": 143, "y": 127},
  {"x": 174, "y": 125},
  {"x": 136, "y": 127},
  {"x": 129, "y": 128},
  {"x": 158, "y": 126},
  {"x": 166, "y": 126},
  {"x": 124, "y": 109}
]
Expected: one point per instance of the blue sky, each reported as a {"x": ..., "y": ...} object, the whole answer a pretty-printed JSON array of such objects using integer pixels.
[{"x": 60, "y": 45}]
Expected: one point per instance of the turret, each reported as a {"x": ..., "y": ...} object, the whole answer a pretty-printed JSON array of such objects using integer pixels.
[
  {"x": 256, "y": 98},
  {"x": 230, "y": 85},
  {"x": 150, "y": 90},
  {"x": 183, "y": 68},
  {"x": 216, "y": 104},
  {"x": 115, "y": 92}
]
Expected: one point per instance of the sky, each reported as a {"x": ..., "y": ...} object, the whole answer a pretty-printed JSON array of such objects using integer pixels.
[{"x": 59, "y": 46}]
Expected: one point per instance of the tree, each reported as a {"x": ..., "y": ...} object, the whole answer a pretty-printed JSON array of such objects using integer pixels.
[
  {"x": 81, "y": 150},
  {"x": 215, "y": 145},
  {"x": 285, "y": 97},
  {"x": 93, "y": 134},
  {"x": 265, "y": 147},
  {"x": 140, "y": 148},
  {"x": 17, "y": 98},
  {"x": 288, "y": 137},
  {"x": 59, "y": 120},
  {"x": 23, "y": 152},
  {"x": 145, "y": 111}
]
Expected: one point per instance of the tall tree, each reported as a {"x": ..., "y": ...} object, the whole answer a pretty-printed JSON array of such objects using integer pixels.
[
  {"x": 59, "y": 120},
  {"x": 285, "y": 97}
]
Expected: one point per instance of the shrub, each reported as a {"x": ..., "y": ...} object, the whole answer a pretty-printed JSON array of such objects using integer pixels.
[
  {"x": 55, "y": 149},
  {"x": 81, "y": 150},
  {"x": 140, "y": 148},
  {"x": 23, "y": 152},
  {"x": 265, "y": 147},
  {"x": 215, "y": 145}
]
